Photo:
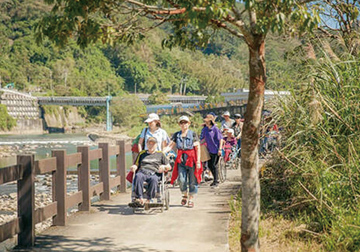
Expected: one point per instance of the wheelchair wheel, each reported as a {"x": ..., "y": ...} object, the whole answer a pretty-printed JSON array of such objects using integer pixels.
[
  {"x": 222, "y": 169},
  {"x": 167, "y": 199}
]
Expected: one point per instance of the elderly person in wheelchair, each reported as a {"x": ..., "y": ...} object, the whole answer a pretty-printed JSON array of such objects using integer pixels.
[{"x": 148, "y": 165}]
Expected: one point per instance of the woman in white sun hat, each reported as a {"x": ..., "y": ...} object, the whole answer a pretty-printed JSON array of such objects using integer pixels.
[
  {"x": 227, "y": 122},
  {"x": 153, "y": 130},
  {"x": 187, "y": 168}
]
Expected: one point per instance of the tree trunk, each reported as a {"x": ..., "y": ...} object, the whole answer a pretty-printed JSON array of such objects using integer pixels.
[{"x": 249, "y": 149}]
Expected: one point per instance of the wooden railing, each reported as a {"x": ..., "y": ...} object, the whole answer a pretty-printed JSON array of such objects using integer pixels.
[{"x": 27, "y": 168}]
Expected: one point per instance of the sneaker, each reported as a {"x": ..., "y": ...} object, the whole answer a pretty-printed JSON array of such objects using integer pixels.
[
  {"x": 207, "y": 177},
  {"x": 137, "y": 203}
]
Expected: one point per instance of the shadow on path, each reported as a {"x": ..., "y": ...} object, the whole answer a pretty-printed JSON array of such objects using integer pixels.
[
  {"x": 50, "y": 243},
  {"x": 114, "y": 209}
]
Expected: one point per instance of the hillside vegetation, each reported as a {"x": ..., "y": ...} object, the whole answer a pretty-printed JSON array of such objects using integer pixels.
[{"x": 143, "y": 67}]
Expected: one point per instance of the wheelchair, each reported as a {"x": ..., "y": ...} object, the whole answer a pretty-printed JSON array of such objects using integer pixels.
[
  {"x": 232, "y": 161},
  {"x": 163, "y": 196}
]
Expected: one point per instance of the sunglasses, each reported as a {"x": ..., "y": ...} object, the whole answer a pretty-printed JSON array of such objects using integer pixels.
[{"x": 183, "y": 122}]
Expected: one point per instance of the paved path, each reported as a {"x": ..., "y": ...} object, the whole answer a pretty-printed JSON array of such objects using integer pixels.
[{"x": 112, "y": 226}]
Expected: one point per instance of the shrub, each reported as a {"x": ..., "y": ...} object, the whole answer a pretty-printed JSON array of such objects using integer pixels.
[
  {"x": 127, "y": 109},
  {"x": 6, "y": 121},
  {"x": 158, "y": 98}
]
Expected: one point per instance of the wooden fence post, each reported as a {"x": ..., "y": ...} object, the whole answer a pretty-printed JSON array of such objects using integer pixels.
[
  {"x": 26, "y": 201},
  {"x": 84, "y": 177},
  {"x": 121, "y": 165},
  {"x": 59, "y": 187},
  {"x": 104, "y": 166}
]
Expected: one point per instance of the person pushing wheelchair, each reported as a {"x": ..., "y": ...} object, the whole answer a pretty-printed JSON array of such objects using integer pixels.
[{"x": 147, "y": 165}]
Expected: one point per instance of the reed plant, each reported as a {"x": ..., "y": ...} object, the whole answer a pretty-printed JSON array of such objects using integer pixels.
[{"x": 315, "y": 173}]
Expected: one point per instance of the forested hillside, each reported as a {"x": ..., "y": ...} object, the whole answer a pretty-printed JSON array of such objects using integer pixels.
[{"x": 145, "y": 66}]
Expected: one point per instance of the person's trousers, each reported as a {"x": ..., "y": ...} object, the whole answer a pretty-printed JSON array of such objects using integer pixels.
[
  {"x": 239, "y": 147},
  {"x": 151, "y": 180},
  {"x": 187, "y": 177},
  {"x": 213, "y": 166}
]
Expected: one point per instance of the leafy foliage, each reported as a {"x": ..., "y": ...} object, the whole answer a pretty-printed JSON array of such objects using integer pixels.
[
  {"x": 126, "y": 109},
  {"x": 158, "y": 98},
  {"x": 6, "y": 121},
  {"x": 101, "y": 70}
]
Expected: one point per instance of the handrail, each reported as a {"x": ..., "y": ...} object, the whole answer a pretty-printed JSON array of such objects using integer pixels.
[
  {"x": 10, "y": 174},
  {"x": 26, "y": 169}
]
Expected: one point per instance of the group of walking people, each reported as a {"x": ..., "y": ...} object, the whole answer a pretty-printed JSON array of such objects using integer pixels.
[{"x": 154, "y": 144}]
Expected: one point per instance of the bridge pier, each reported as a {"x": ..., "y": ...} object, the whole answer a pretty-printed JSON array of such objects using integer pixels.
[{"x": 108, "y": 114}]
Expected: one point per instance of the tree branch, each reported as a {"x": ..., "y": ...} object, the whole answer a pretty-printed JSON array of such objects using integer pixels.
[
  {"x": 226, "y": 27},
  {"x": 327, "y": 33},
  {"x": 253, "y": 21},
  {"x": 245, "y": 31}
]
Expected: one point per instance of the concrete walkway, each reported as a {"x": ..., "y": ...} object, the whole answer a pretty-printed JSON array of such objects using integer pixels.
[{"x": 112, "y": 225}]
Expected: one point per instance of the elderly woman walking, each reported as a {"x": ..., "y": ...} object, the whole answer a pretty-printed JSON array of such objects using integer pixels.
[
  {"x": 187, "y": 164},
  {"x": 212, "y": 136},
  {"x": 153, "y": 130}
]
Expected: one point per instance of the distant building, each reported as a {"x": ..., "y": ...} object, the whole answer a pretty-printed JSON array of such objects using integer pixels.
[
  {"x": 194, "y": 99},
  {"x": 242, "y": 94}
]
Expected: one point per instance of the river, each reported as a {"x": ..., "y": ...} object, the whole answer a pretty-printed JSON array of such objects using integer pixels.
[
  {"x": 41, "y": 146},
  {"x": 45, "y": 143}
]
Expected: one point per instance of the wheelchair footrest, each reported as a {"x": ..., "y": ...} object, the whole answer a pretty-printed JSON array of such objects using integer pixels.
[
  {"x": 154, "y": 204},
  {"x": 135, "y": 205}
]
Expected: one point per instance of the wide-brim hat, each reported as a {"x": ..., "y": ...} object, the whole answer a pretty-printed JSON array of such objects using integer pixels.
[
  {"x": 213, "y": 116},
  {"x": 152, "y": 117}
]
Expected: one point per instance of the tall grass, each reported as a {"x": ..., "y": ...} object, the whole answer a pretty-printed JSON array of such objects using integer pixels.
[{"x": 317, "y": 172}]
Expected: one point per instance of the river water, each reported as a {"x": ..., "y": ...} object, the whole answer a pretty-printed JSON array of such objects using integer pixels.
[{"x": 41, "y": 146}]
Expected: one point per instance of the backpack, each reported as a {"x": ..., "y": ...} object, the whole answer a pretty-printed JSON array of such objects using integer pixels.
[{"x": 135, "y": 142}]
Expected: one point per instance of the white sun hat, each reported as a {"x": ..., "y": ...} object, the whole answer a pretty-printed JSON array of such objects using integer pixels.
[
  {"x": 184, "y": 118},
  {"x": 226, "y": 113},
  {"x": 152, "y": 117},
  {"x": 230, "y": 131}
]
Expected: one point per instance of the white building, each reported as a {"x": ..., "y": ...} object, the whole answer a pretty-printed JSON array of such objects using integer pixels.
[{"x": 242, "y": 94}]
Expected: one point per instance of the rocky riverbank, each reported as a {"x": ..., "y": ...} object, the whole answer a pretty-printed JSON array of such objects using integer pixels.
[
  {"x": 43, "y": 197},
  {"x": 16, "y": 149},
  {"x": 41, "y": 146}
]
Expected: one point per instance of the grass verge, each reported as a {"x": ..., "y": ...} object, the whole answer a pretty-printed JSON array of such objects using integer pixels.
[{"x": 276, "y": 233}]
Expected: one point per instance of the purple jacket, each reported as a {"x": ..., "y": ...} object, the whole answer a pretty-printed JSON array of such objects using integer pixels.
[{"x": 212, "y": 138}]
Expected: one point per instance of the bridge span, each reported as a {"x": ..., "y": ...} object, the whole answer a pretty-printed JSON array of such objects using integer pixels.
[
  {"x": 74, "y": 101},
  {"x": 23, "y": 105}
]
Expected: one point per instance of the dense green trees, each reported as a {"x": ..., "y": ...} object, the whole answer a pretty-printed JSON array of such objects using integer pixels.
[
  {"x": 100, "y": 70},
  {"x": 127, "y": 109}
]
